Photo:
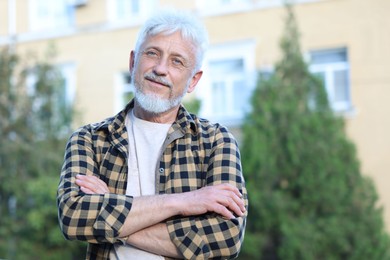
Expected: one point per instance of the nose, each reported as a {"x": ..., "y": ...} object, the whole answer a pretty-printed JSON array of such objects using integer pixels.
[{"x": 161, "y": 67}]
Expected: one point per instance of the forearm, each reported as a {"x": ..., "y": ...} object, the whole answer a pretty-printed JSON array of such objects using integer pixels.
[
  {"x": 148, "y": 211},
  {"x": 93, "y": 217},
  {"x": 155, "y": 239},
  {"x": 207, "y": 236},
  {"x": 90, "y": 217},
  {"x": 224, "y": 200}
]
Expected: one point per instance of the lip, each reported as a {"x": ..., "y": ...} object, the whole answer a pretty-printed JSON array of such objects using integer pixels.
[{"x": 156, "y": 84}]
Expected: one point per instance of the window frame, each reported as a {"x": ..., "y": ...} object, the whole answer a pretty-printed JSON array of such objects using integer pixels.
[
  {"x": 122, "y": 87},
  {"x": 68, "y": 73},
  {"x": 328, "y": 70},
  {"x": 146, "y": 8},
  {"x": 228, "y": 51},
  {"x": 53, "y": 21},
  {"x": 205, "y": 8}
]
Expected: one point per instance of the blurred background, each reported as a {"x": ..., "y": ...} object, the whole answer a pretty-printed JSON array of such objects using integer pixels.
[{"x": 64, "y": 63}]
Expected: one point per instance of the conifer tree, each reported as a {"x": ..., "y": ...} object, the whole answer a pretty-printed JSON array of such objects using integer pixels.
[
  {"x": 308, "y": 198},
  {"x": 34, "y": 125}
]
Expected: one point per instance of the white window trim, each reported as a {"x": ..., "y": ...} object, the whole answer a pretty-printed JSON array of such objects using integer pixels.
[
  {"x": 121, "y": 87},
  {"x": 251, "y": 5},
  {"x": 68, "y": 71},
  {"x": 244, "y": 50},
  {"x": 146, "y": 9},
  {"x": 328, "y": 69},
  {"x": 36, "y": 23}
]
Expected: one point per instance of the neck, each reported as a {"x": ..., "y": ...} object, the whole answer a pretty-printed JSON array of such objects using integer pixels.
[{"x": 166, "y": 117}]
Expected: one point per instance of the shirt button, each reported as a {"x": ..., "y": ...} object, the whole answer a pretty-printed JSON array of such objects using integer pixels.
[{"x": 161, "y": 170}]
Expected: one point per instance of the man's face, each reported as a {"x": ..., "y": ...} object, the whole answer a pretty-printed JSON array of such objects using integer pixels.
[{"x": 163, "y": 71}]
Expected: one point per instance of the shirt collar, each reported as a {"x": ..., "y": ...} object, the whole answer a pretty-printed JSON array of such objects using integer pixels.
[{"x": 184, "y": 121}]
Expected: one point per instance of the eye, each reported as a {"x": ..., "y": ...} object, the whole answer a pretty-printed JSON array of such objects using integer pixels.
[
  {"x": 151, "y": 53},
  {"x": 177, "y": 61}
]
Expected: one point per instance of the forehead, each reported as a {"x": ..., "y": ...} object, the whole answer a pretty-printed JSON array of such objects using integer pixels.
[{"x": 171, "y": 43}]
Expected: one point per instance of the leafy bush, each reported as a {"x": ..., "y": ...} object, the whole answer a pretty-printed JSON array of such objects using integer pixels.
[
  {"x": 34, "y": 125},
  {"x": 308, "y": 198}
]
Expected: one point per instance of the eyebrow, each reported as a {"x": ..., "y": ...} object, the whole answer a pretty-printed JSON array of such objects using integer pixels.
[{"x": 174, "y": 54}]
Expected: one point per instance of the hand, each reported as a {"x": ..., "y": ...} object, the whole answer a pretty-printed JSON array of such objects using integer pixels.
[
  {"x": 91, "y": 184},
  {"x": 224, "y": 199}
]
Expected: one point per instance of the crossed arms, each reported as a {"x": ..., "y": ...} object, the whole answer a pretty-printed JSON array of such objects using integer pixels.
[
  {"x": 145, "y": 229},
  {"x": 206, "y": 222}
]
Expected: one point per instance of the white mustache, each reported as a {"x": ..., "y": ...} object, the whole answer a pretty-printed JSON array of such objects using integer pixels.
[{"x": 153, "y": 77}]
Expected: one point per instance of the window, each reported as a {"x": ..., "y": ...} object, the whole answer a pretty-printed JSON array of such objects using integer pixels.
[
  {"x": 68, "y": 71},
  {"x": 49, "y": 14},
  {"x": 221, "y": 3},
  {"x": 228, "y": 97},
  {"x": 223, "y": 6},
  {"x": 124, "y": 91},
  {"x": 218, "y": 7},
  {"x": 67, "y": 92},
  {"x": 228, "y": 81},
  {"x": 54, "y": 100},
  {"x": 333, "y": 68},
  {"x": 129, "y": 10},
  {"x": 68, "y": 83}
]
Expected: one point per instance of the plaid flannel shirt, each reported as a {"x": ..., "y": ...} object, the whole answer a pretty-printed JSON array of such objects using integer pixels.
[{"x": 196, "y": 154}]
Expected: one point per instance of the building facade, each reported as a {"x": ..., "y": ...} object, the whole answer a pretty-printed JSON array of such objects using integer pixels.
[{"x": 346, "y": 42}]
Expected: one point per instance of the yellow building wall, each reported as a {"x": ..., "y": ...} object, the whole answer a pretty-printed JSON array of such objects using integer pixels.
[
  {"x": 93, "y": 13},
  {"x": 360, "y": 25},
  {"x": 22, "y": 23},
  {"x": 3, "y": 18}
]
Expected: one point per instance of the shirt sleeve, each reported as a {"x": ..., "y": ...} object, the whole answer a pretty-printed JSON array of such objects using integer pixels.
[
  {"x": 93, "y": 218},
  {"x": 211, "y": 236}
]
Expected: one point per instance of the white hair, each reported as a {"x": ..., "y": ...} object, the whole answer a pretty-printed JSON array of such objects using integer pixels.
[{"x": 169, "y": 22}]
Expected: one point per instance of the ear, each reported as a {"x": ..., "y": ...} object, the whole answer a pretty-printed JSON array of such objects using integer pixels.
[
  {"x": 131, "y": 61},
  {"x": 194, "y": 80}
]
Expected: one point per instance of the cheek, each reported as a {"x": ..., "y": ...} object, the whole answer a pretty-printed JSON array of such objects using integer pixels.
[
  {"x": 141, "y": 68},
  {"x": 138, "y": 73},
  {"x": 182, "y": 78}
]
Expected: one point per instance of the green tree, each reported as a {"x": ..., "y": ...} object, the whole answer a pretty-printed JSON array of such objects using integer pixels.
[
  {"x": 192, "y": 105},
  {"x": 34, "y": 125},
  {"x": 308, "y": 198}
]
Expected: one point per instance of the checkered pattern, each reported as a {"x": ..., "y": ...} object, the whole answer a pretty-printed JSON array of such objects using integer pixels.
[{"x": 196, "y": 154}]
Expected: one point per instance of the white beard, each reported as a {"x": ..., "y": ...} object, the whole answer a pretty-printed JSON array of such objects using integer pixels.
[{"x": 154, "y": 104}]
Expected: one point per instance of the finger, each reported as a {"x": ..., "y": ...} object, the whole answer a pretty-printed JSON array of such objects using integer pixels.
[
  {"x": 224, "y": 212},
  {"x": 90, "y": 189},
  {"x": 101, "y": 185},
  {"x": 233, "y": 206},
  {"x": 92, "y": 183},
  {"x": 88, "y": 178},
  {"x": 230, "y": 187},
  {"x": 233, "y": 202},
  {"x": 86, "y": 190},
  {"x": 86, "y": 183},
  {"x": 240, "y": 202},
  {"x": 228, "y": 196}
]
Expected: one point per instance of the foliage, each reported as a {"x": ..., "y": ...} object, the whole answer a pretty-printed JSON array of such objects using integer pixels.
[
  {"x": 308, "y": 199},
  {"x": 34, "y": 122},
  {"x": 192, "y": 105}
]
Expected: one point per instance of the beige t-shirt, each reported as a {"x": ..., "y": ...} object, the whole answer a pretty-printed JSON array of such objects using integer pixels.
[{"x": 145, "y": 143}]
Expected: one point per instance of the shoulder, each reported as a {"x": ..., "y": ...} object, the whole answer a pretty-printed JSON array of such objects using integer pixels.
[
  {"x": 108, "y": 126},
  {"x": 94, "y": 128},
  {"x": 94, "y": 131},
  {"x": 214, "y": 131}
]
